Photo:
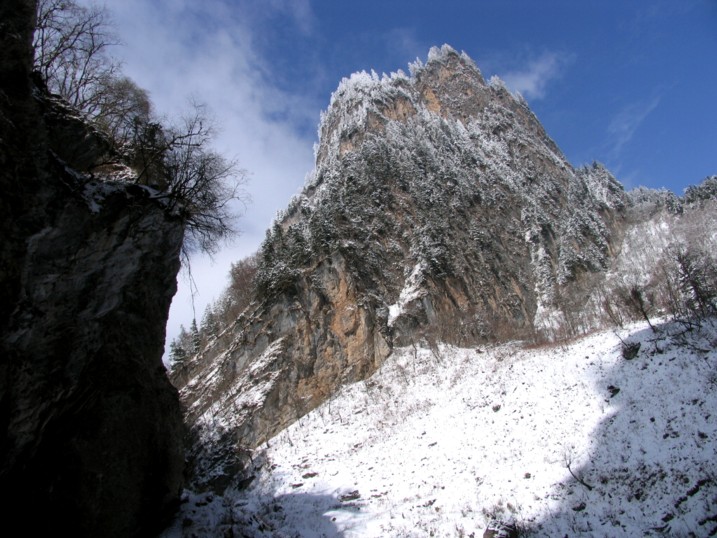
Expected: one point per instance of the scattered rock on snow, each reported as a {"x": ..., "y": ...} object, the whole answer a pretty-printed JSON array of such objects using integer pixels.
[
  {"x": 350, "y": 496},
  {"x": 630, "y": 350},
  {"x": 501, "y": 529}
]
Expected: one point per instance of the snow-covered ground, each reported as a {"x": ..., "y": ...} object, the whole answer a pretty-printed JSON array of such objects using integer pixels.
[{"x": 560, "y": 441}]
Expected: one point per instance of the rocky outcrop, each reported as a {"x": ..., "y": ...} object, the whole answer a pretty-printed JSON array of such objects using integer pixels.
[
  {"x": 439, "y": 209},
  {"x": 91, "y": 428}
]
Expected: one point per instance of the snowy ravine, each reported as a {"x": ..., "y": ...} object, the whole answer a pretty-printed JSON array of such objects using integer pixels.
[{"x": 565, "y": 440}]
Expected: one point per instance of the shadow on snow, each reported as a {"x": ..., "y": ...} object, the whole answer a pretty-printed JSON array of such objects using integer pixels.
[{"x": 651, "y": 468}]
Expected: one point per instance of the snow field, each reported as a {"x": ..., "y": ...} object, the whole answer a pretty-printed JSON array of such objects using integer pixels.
[{"x": 570, "y": 439}]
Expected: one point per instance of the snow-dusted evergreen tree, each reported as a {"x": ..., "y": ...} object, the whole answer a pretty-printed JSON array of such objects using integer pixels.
[
  {"x": 180, "y": 349},
  {"x": 210, "y": 322},
  {"x": 177, "y": 355},
  {"x": 707, "y": 190},
  {"x": 195, "y": 337}
]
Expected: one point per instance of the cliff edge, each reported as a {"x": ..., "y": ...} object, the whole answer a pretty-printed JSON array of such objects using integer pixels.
[{"x": 91, "y": 427}]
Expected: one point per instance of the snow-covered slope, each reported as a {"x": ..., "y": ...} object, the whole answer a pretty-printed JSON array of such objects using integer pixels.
[
  {"x": 440, "y": 209},
  {"x": 572, "y": 440}
]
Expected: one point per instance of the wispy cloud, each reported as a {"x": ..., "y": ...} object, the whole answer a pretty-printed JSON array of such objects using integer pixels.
[
  {"x": 300, "y": 11},
  {"x": 211, "y": 51},
  {"x": 403, "y": 45},
  {"x": 532, "y": 80},
  {"x": 625, "y": 123}
]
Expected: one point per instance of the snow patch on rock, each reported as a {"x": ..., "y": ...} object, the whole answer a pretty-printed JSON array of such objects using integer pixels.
[{"x": 411, "y": 291}]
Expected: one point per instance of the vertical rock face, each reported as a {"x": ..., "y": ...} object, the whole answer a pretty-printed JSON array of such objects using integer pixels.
[
  {"x": 439, "y": 209},
  {"x": 91, "y": 428}
]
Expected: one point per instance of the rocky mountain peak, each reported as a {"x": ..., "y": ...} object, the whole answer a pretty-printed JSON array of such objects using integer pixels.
[
  {"x": 451, "y": 84},
  {"x": 438, "y": 210},
  {"x": 448, "y": 85}
]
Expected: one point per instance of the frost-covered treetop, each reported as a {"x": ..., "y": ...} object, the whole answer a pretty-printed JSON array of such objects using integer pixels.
[
  {"x": 440, "y": 55},
  {"x": 363, "y": 84},
  {"x": 368, "y": 94},
  {"x": 356, "y": 96},
  {"x": 497, "y": 82},
  {"x": 442, "y": 142}
]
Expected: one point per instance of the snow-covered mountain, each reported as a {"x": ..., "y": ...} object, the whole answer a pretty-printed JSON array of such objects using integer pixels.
[
  {"x": 439, "y": 213},
  {"x": 438, "y": 204}
]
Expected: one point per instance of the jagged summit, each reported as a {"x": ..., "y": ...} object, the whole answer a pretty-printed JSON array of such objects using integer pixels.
[
  {"x": 444, "y": 127},
  {"x": 439, "y": 209},
  {"x": 448, "y": 84}
]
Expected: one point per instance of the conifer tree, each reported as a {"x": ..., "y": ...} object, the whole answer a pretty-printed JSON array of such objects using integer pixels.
[{"x": 195, "y": 336}]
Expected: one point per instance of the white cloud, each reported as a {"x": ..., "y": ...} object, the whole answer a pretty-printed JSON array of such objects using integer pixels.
[
  {"x": 532, "y": 80},
  {"x": 623, "y": 125},
  {"x": 298, "y": 10},
  {"x": 182, "y": 49},
  {"x": 403, "y": 44}
]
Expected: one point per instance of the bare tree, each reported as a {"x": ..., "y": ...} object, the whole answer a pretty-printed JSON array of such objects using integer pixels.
[
  {"x": 206, "y": 189},
  {"x": 202, "y": 187},
  {"x": 640, "y": 301},
  {"x": 199, "y": 185},
  {"x": 568, "y": 458},
  {"x": 72, "y": 45},
  {"x": 122, "y": 106},
  {"x": 71, "y": 52},
  {"x": 241, "y": 276},
  {"x": 240, "y": 291}
]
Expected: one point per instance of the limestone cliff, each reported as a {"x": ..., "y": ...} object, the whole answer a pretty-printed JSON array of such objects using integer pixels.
[
  {"x": 439, "y": 209},
  {"x": 91, "y": 428}
]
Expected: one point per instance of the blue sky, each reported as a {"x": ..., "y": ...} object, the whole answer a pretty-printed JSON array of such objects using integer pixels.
[
  {"x": 631, "y": 84},
  {"x": 628, "y": 83}
]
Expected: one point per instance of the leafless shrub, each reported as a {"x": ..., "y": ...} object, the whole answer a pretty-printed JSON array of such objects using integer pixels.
[{"x": 568, "y": 459}]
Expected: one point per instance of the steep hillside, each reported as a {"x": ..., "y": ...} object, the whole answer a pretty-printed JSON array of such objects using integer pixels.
[
  {"x": 569, "y": 440},
  {"x": 439, "y": 209}
]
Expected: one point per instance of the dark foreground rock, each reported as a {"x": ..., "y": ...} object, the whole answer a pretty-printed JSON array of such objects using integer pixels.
[{"x": 90, "y": 428}]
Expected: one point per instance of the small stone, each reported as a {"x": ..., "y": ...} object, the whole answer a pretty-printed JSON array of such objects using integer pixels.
[{"x": 350, "y": 496}]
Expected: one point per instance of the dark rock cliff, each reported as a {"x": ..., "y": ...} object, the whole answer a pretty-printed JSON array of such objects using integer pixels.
[
  {"x": 439, "y": 209},
  {"x": 91, "y": 429}
]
